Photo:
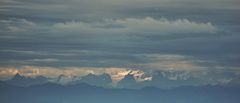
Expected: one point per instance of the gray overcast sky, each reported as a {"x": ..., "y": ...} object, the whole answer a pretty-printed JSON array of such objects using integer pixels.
[{"x": 148, "y": 35}]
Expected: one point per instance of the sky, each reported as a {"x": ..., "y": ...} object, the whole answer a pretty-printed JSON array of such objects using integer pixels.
[{"x": 95, "y": 36}]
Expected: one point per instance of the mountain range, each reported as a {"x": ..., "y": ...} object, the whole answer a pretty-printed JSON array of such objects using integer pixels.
[
  {"x": 96, "y": 89},
  {"x": 159, "y": 79}
]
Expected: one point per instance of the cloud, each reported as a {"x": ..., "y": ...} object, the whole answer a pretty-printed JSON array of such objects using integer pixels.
[
  {"x": 112, "y": 29},
  {"x": 17, "y": 25},
  {"x": 172, "y": 62},
  {"x": 24, "y": 52},
  {"x": 144, "y": 26},
  {"x": 128, "y": 25},
  {"x": 44, "y": 60},
  {"x": 114, "y": 42},
  {"x": 6, "y": 73},
  {"x": 101, "y": 31}
]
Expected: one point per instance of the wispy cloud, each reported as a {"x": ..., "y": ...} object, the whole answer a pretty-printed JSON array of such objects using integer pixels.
[
  {"x": 172, "y": 62},
  {"x": 143, "y": 26},
  {"x": 108, "y": 27},
  {"x": 17, "y": 25}
]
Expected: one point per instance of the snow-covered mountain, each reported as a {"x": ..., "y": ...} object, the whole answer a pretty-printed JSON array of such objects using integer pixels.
[
  {"x": 103, "y": 80},
  {"x": 122, "y": 79}
]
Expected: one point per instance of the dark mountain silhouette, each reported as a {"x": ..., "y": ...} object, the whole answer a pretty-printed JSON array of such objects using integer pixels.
[
  {"x": 59, "y": 78},
  {"x": 19, "y": 80},
  {"x": 63, "y": 79},
  {"x": 128, "y": 82}
]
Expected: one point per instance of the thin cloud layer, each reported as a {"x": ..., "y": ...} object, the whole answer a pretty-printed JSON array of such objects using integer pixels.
[
  {"x": 172, "y": 63},
  {"x": 128, "y": 25}
]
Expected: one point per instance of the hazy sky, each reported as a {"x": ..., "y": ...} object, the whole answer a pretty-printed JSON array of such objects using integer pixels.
[{"x": 150, "y": 35}]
